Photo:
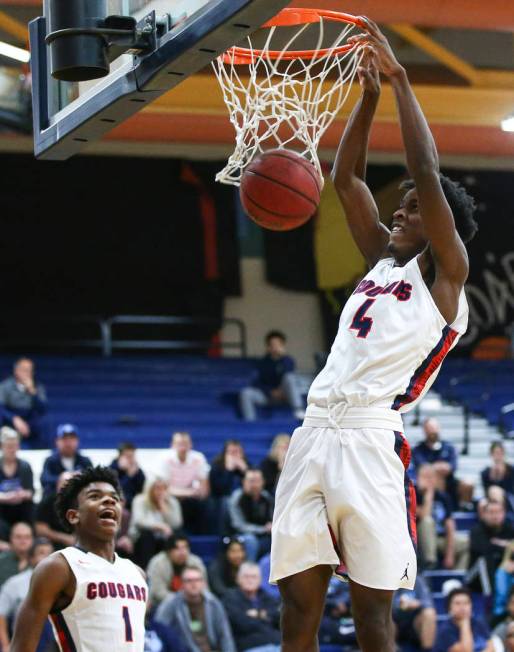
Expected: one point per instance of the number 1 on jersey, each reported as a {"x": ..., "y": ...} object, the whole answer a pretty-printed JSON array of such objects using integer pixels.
[
  {"x": 361, "y": 323},
  {"x": 128, "y": 625}
]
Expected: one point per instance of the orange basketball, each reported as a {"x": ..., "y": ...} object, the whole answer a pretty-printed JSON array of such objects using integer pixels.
[{"x": 280, "y": 190}]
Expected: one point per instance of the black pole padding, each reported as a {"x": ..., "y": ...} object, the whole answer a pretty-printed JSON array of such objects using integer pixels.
[{"x": 78, "y": 57}]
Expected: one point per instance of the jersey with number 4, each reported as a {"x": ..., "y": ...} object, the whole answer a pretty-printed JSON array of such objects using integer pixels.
[
  {"x": 390, "y": 344},
  {"x": 107, "y": 613}
]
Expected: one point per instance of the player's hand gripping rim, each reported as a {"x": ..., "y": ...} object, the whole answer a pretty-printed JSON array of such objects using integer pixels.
[
  {"x": 367, "y": 71},
  {"x": 386, "y": 61}
]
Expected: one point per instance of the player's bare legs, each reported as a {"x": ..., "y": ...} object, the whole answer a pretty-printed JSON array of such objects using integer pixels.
[
  {"x": 303, "y": 600},
  {"x": 371, "y": 610}
]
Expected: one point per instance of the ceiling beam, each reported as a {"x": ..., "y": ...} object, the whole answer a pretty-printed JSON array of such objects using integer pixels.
[
  {"x": 385, "y": 137},
  {"x": 464, "y": 120},
  {"x": 449, "y": 105},
  {"x": 14, "y": 27},
  {"x": 437, "y": 52},
  {"x": 467, "y": 14}
]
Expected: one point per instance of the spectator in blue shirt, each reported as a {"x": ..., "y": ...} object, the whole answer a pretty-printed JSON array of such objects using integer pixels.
[
  {"x": 65, "y": 458},
  {"x": 163, "y": 638},
  {"x": 500, "y": 473},
  {"x": 132, "y": 478},
  {"x": 437, "y": 533},
  {"x": 462, "y": 632},
  {"x": 275, "y": 383},
  {"x": 23, "y": 404},
  {"x": 225, "y": 477},
  {"x": 441, "y": 454},
  {"x": 415, "y": 616},
  {"x": 253, "y": 614},
  {"x": 228, "y": 469}
]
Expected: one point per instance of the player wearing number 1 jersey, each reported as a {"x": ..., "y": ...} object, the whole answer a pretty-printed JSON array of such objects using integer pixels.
[
  {"x": 95, "y": 600},
  {"x": 343, "y": 494}
]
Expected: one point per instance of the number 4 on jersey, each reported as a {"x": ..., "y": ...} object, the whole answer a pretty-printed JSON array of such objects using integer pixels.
[{"x": 360, "y": 323}]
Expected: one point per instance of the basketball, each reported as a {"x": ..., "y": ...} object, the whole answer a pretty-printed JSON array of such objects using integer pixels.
[{"x": 280, "y": 190}]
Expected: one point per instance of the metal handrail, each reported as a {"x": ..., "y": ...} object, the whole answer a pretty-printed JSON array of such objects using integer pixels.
[
  {"x": 110, "y": 343},
  {"x": 107, "y": 342}
]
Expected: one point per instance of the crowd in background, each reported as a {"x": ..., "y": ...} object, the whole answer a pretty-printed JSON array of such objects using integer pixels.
[{"x": 226, "y": 604}]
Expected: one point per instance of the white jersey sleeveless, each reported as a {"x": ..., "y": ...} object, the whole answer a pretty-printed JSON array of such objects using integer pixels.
[
  {"x": 390, "y": 344},
  {"x": 107, "y": 613}
]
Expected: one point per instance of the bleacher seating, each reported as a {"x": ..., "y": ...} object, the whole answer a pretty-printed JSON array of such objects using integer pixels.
[
  {"x": 483, "y": 386},
  {"x": 145, "y": 398}
]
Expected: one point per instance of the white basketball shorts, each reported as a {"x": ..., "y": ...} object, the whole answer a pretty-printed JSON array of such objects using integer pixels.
[{"x": 344, "y": 499}]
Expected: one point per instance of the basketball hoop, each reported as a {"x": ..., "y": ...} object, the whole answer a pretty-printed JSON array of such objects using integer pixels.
[{"x": 290, "y": 97}]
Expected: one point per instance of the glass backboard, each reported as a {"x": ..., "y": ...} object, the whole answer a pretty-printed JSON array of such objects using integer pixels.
[{"x": 69, "y": 115}]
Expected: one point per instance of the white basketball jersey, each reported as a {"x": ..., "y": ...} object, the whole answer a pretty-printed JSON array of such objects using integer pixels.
[
  {"x": 107, "y": 613},
  {"x": 391, "y": 342}
]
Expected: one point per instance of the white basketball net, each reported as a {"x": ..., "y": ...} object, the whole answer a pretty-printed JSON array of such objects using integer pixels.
[{"x": 290, "y": 107}]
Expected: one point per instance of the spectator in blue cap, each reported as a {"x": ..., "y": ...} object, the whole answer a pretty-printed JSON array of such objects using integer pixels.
[{"x": 66, "y": 457}]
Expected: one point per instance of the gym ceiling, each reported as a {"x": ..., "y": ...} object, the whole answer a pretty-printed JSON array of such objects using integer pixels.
[{"x": 459, "y": 55}]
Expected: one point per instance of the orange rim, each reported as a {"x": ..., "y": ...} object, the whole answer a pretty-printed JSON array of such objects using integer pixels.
[{"x": 290, "y": 17}]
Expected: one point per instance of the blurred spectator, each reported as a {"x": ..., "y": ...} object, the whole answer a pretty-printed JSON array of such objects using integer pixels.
[
  {"x": 66, "y": 458},
  {"x": 187, "y": 473},
  {"x": 272, "y": 465},
  {"x": 499, "y": 473},
  {"x": 462, "y": 632},
  {"x": 415, "y": 616},
  {"x": 503, "y": 618},
  {"x": 165, "y": 569},
  {"x": 253, "y": 614},
  {"x": 48, "y": 524},
  {"x": 441, "y": 454},
  {"x": 16, "y": 484},
  {"x": 503, "y": 581},
  {"x": 337, "y": 626},
  {"x": 15, "y": 590},
  {"x": 226, "y": 474},
  {"x": 223, "y": 570},
  {"x": 163, "y": 638},
  {"x": 509, "y": 638},
  {"x": 436, "y": 527},
  {"x": 228, "y": 469},
  {"x": 251, "y": 513},
  {"x": 198, "y": 615},
  {"x": 265, "y": 566},
  {"x": 275, "y": 383},
  {"x": 132, "y": 478},
  {"x": 489, "y": 538},
  {"x": 16, "y": 559},
  {"x": 156, "y": 515},
  {"x": 23, "y": 403},
  {"x": 504, "y": 632}
]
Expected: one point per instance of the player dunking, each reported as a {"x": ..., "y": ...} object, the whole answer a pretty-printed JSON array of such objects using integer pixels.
[
  {"x": 343, "y": 494},
  {"x": 96, "y": 601}
]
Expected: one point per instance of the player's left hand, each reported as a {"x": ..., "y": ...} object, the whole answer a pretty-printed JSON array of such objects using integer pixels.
[
  {"x": 369, "y": 78},
  {"x": 386, "y": 61}
]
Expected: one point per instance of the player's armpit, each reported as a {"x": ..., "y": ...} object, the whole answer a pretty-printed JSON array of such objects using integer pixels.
[
  {"x": 50, "y": 579},
  {"x": 448, "y": 250},
  {"x": 369, "y": 234}
]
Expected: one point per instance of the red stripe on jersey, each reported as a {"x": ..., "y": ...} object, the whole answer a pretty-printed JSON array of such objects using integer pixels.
[
  {"x": 426, "y": 369},
  {"x": 63, "y": 633}
]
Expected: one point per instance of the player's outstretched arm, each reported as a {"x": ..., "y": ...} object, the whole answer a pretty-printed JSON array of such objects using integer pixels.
[
  {"x": 49, "y": 581},
  {"x": 349, "y": 173},
  {"x": 447, "y": 248}
]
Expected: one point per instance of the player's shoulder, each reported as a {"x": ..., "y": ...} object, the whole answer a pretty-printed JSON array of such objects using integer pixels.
[
  {"x": 54, "y": 570},
  {"x": 130, "y": 565}
]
